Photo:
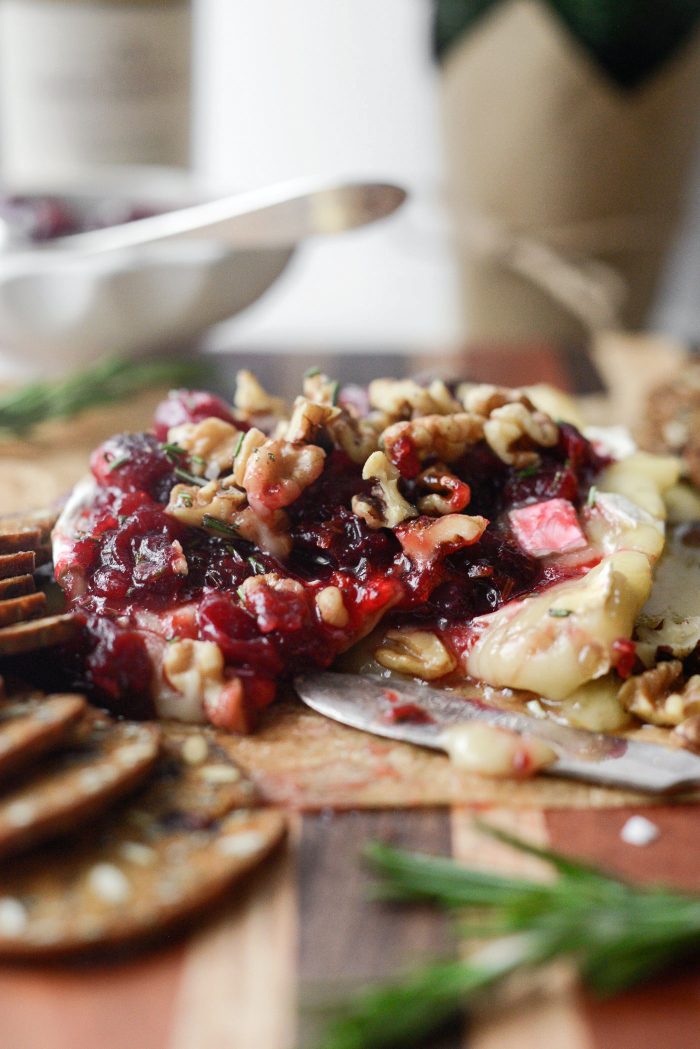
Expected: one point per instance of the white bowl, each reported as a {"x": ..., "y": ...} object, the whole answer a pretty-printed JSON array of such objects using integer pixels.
[{"x": 58, "y": 311}]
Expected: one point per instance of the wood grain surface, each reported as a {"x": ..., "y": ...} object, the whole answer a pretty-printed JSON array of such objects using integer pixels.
[{"x": 305, "y": 921}]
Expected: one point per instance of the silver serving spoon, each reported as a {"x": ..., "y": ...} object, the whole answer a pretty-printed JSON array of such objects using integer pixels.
[{"x": 276, "y": 216}]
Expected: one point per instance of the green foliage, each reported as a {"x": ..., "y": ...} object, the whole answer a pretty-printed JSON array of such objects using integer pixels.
[
  {"x": 629, "y": 39},
  {"x": 615, "y": 933},
  {"x": 109, "y": 380}
]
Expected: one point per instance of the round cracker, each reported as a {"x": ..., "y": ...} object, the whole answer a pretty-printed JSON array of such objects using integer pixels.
[
  {"x": 150, "y": 866},
  {"x": 105, "y": 760},
  {"x": 32, "y": 725}
]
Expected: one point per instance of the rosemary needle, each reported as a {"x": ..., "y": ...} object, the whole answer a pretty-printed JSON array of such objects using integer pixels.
[
  {"x": 109, "y": 380},
  {"x": 614, "y": 932}
]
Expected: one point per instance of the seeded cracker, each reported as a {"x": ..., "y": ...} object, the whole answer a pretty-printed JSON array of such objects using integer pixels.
[
  {"x": 33, "y": 725},
  {"x": 13, "y": 542},
  {"x": 30, "y": 531},
  {"x": 16, "y": 585},
  {"x": 25, "y": 543},
  {"x": 17, "y": 564},
  {"x": 671, "y": 422},
  {"x": 19, "y": 609},
  {"x": 40, "y": 520},
  {"x": 153, "y": 863},
  {"x": 105, "y": 760},
  {"x": 38, "y": 633}
]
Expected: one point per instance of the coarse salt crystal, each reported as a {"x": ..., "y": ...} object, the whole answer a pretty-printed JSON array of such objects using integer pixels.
[{"x": 638, "y": 830}]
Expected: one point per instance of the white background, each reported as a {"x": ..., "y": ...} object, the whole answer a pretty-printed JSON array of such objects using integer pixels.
[{"x": 287, "y": 88}]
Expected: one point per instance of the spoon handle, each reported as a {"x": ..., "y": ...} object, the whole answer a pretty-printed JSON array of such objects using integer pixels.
[{"x": 276, "y": 216}]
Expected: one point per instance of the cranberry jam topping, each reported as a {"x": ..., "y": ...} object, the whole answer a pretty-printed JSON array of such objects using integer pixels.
[{"x": 234, "y": 547}]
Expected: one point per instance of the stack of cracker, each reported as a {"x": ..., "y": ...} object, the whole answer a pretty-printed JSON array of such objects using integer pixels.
[{"x": 111, "y": 832}]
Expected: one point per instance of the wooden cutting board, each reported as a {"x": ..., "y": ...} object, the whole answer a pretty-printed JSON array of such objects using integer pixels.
[{"x": 305, "y": 919}]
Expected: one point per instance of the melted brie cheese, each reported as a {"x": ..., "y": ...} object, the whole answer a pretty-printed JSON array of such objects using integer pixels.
[{"x": 554, "y": 643}]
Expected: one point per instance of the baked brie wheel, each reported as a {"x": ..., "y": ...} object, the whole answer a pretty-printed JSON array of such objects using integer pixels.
[{"x": 472, "y": 535}]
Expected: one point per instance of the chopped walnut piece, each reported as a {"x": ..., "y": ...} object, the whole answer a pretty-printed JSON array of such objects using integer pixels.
[
  {"x": 428, "y": 539},
  {"x": 319, "y": 388},
  {"x": 308, "y": 417},
  {"x": 660, "y": 696},
  {"x": 513, "y": 429},
  {"x": 417, "y": 652},
  {"x": 688, "y": 732},
  {"x": 195, "y": 669},
  {"x": 357, "y": 437},
  {"x": 331, "y": 607},
  {"x": 179, "y": 563},
  {"x": 212, "y": 443},
  {"x": 191, "y": 503},
  {"x": 252, "y": 399},
  {"x": 276, "y": 602},
  {"x": 482, "y": 398},
  {"x": 270, "y": 534},
  {"x": 252, "y": 439},
  {"x": 270, "y": 581},
  {"x": 405, "y": 398},
  {"x": 447, "y": 494},
  {"x": 447, "y": 437},
  {"x": 227, "y": 709},
  {"x": 384, "y": 507},
  {"x": 220, "y": 508},
  {"x": 277, "y": 472}
]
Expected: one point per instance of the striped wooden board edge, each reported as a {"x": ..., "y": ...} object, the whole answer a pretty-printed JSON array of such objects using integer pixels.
[{"x": 304, "y": 922}]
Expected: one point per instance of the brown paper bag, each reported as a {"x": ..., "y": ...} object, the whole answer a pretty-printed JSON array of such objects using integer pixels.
[{"x": 565, "y": 189}]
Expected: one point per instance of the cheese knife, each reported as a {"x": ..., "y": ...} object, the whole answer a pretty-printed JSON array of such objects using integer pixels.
[{"x": 370, "y": 703}]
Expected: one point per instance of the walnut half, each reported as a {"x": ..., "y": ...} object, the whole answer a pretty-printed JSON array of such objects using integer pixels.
[
  {"x": 417, "y": 652},
  {"x": 660, "y": 695},
  {"x": 515, "y": 431},
  {"x": 447, "y": 437},
  {"x": 384, "y": 507}
]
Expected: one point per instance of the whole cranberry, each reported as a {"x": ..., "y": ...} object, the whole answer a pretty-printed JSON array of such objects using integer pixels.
[
  {"x": 223, "y": 620},
  {"x": 190, "y": 406},
  {"x": 134, "y": 462},
  {"x": 119, "y": 669}
]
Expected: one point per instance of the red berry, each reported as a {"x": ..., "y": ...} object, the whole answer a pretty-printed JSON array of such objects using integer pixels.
[{"x": 190, "y": 406}]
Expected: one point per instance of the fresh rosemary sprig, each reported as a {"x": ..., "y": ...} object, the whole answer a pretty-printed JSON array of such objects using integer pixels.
[
  {"x": 219, "y": 527},
  {"x": 109, "y": 380},
  {"x": 615, "y": 933}
]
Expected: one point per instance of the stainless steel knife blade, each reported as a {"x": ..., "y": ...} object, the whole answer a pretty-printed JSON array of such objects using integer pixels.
[{"x": 366, "y": 702}]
